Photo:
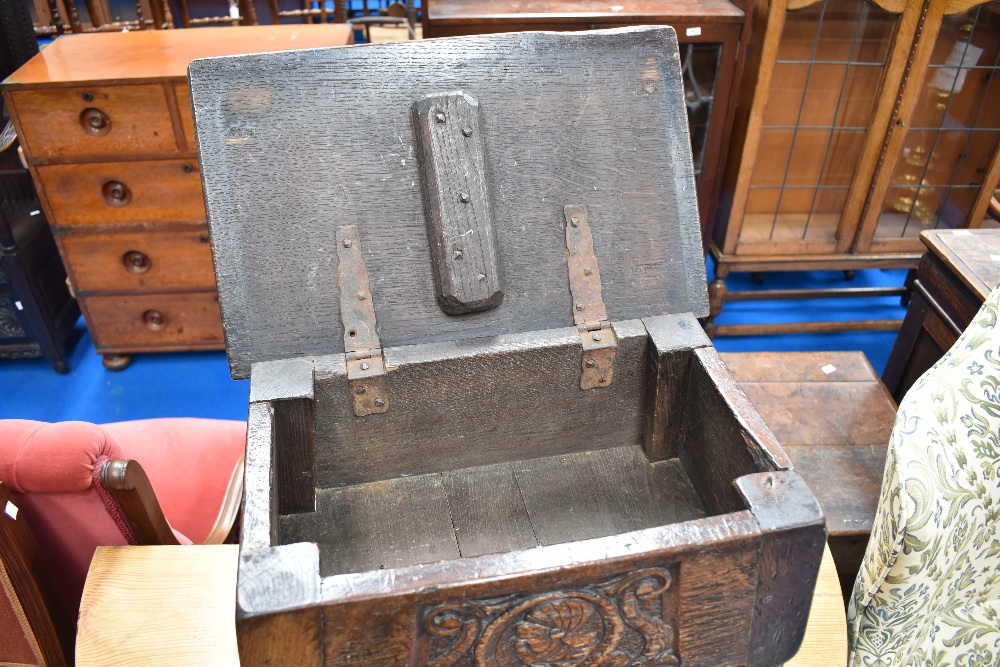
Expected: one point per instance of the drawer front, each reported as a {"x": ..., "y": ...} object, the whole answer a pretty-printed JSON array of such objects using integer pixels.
[
  {"x": 100, "y": 120},
  {"x": 186, "y": 113},
  {"x": 140, "y": 322},
  {"x": 137, "y": 261},
  {"x": 113, "y": 192}
]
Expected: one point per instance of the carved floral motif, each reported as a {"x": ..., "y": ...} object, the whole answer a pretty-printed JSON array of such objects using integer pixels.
[{"x": 619, "y": 623}]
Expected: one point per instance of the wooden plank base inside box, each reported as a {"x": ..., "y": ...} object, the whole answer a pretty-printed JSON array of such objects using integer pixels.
[{"x": 493, "y": 509}]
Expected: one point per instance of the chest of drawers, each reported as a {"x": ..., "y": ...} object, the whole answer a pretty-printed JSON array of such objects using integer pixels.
[{"x": 106, "y": 126}]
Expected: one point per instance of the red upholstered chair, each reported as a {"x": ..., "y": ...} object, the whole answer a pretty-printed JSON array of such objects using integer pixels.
[{"x": 153, "y": 481}]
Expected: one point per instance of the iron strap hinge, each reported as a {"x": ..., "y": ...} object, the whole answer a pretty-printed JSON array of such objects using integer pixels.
[
  {"x": 363, "y": 351},
  {"x": 589, "y": 314}
]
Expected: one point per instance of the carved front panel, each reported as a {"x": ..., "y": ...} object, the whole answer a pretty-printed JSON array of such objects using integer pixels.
[
  {"x": 10, "y": 323},
  {"x": 628, "y": 621}
]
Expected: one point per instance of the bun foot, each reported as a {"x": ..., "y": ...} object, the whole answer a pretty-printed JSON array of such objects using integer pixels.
[{"x": 117, "y": 362}]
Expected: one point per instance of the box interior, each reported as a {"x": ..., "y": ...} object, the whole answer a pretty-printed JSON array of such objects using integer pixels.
[{"x": 494, "y": 470}]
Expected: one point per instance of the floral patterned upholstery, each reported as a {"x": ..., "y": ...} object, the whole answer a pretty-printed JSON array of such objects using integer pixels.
[{"x": 928, "y": 592}]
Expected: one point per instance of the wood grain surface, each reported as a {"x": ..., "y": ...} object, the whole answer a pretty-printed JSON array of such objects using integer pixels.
[
  {"x": 126, "y": 590},
  {"x": 520, "y": 505},
  {"x": 136, "y": 261},
  {"x": 449, "y": 400},
  {"x": 595, "y": 120},
  {"x": 159, "y": 606},
  {"x": 162, "y": 54}
]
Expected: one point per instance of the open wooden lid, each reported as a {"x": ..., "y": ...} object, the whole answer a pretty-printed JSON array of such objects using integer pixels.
[{"x": 298, "y": 144}]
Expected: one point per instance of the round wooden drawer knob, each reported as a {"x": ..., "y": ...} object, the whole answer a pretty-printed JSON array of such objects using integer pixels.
[
  {"x": 137, "y": 262},
  {"x": 154, "y": 320},
  {"x": 94, "y": 121},
  {"x": 116, "y": 193}
]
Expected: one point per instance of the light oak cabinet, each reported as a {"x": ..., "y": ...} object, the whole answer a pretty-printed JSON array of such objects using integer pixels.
[
  {"x": 106, "y": 125},
  {"x": 860, "y": 125}
]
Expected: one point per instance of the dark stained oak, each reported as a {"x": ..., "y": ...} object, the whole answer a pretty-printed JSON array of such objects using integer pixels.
[
  {"x": 495, "y": 492},
  {"x": 953, "y": 279},
  {"x": 541, "y": 153}
]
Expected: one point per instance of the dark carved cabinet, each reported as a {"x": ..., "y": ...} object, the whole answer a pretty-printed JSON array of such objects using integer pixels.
[{"x": 37, "y": 312}]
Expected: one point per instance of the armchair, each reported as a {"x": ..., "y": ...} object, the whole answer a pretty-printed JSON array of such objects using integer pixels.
[
  {"x": 928, "y": 592},
  {"x": 83, "y": 485}
]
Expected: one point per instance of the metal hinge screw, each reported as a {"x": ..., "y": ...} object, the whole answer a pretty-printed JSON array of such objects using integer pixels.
[
  {"x": 348, "y": 243},
  {"x": 482, "y": 277},
  {"x": 362, "y": 296},
  {"x": 588, "y": 271},
  {"x": 457, "y": 254},
  {"x": 467, "y": 131},
  {"x": 574, "y": 221},
  {"x": 359, "y": 390},
  {"x": 365, "y": 365},
  {"x": 380, "y": 402},
  {"x": 580, "y": 307},
  {"x": 591, "y": 363},
  {"x": 596, "y": 336},
  {"x": 440, "y": 117},
  {"x": 464, "y": 198}
]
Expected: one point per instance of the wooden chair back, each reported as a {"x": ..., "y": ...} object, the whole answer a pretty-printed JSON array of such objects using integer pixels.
[
  {"x": 58, "y": 17},
  {"x": 35, "y": 627},
  {"x": 239, "y": 12},
  {"x": 307, "y": 13}
]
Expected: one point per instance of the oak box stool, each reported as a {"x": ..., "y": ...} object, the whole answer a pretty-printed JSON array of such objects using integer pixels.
[{"x": 485, "y": 427}]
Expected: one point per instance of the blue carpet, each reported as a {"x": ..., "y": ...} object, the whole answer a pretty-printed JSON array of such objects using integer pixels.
[{"x": 197, "y": 384}]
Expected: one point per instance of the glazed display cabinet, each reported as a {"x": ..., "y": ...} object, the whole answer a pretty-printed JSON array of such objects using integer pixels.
[
  {"x": 859, "y": 125},
  {"x": 709, "y": 33}
]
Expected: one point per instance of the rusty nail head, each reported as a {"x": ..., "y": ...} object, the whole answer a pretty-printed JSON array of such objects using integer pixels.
[
  {"x": 458, "y": 254},
  {"x": 467, "y": 131},
  {"x": 596, "y": 336},
  {"x": 362, "y": 296},
  {"x": 580, "y": 306},
  {"x": 588, "y": 271},
  {"x": 365, "y": 365},
  {"x": 359, "y": 390},
  {"x": 440, "y": 117},
  {"x": 348, "y": 243},
  {"x": 380, "y": 402},
  {"x": 464, "y": 198},
  {"x": 591, "y": 363}
]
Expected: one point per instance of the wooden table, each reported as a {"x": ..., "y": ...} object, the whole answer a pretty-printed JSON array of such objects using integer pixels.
[
  {"x": 833, "y": 417},
  {"x": 176, "y": 606},
  {"x": 953, "y": 278},
  {"x": 709, "y": 33}
]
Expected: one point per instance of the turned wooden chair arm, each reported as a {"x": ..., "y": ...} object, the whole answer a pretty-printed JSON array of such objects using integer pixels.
[
  {"x": 128, "y": 484},
  {"x": 993, "y": 209}
]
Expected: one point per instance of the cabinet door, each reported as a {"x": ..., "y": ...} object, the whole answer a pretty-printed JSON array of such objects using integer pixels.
[
  {"x": 943, "y": 164},
  {"x": 818, "y": 91}
]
